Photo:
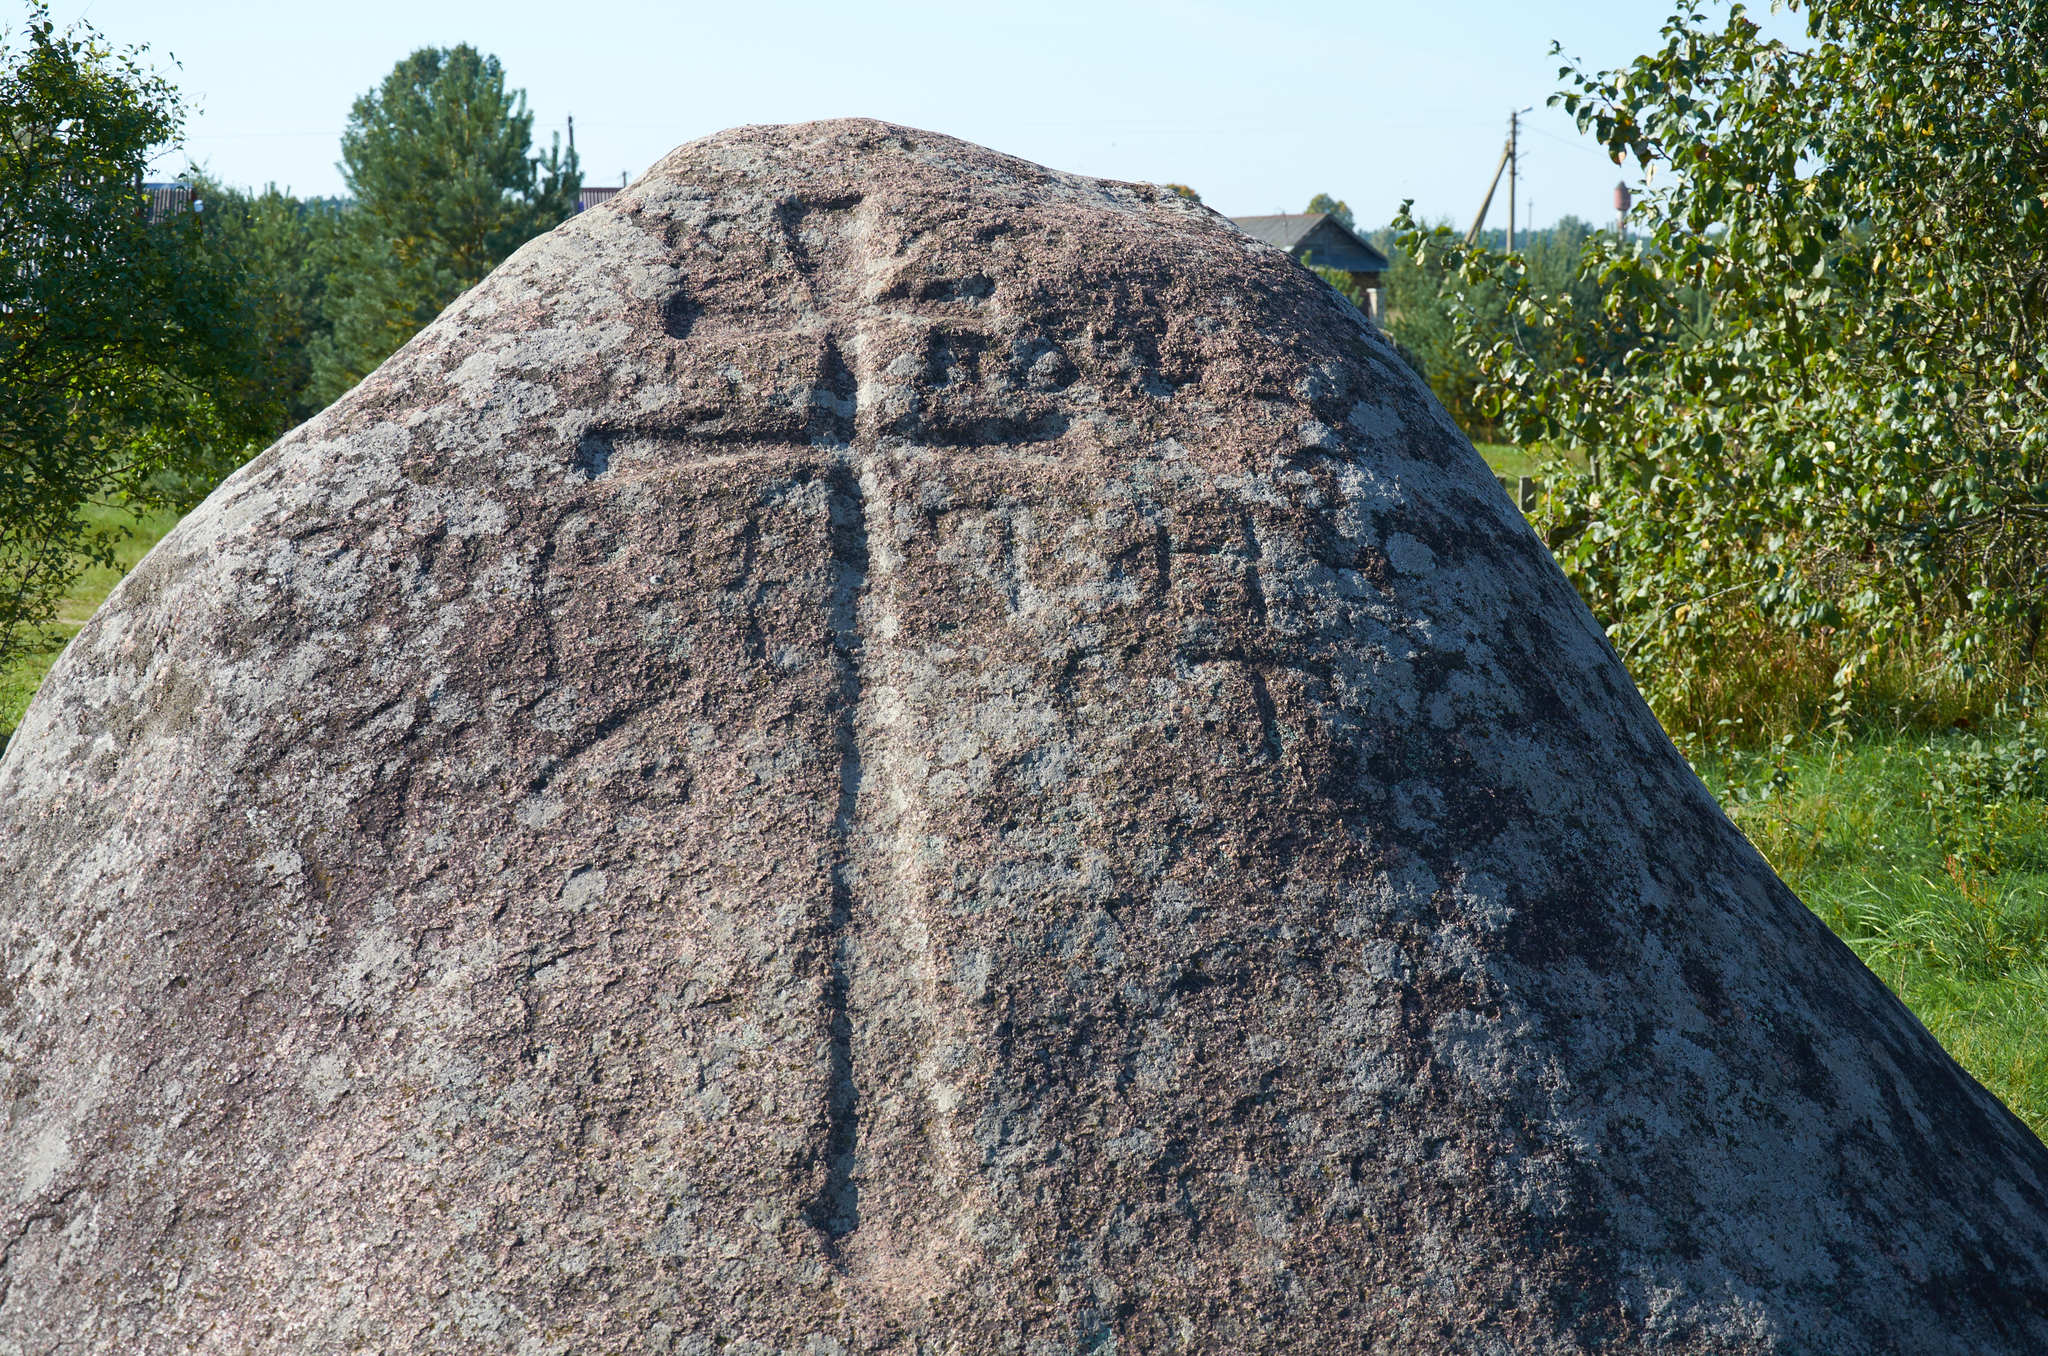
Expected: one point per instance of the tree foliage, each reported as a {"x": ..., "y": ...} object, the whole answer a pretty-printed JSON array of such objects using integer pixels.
[
  {"x": 284, "y": 250},
  {"x": 439, "y": 160},
  {"x": 1827, "y": 426},
  {"x": 1430, "y": 312},
  {"x": 124, "y": 363}
]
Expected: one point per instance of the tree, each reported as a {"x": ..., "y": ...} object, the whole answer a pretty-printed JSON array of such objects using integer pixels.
[
  {"x": 1827, "y": 436},
  {"x": 285, "y": 249},
  {"x": 439, "y": 160},
  {"x": 1335, "y": 207},
  {"x": 123, "y": 361},
  {"x": 1430, "y": 312}
]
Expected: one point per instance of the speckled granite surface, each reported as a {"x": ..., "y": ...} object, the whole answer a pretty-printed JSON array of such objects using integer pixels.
[{"x": 872, "y": 748}]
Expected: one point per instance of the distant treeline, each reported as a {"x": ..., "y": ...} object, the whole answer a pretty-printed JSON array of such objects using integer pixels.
[{"x": 445, "y": 185}]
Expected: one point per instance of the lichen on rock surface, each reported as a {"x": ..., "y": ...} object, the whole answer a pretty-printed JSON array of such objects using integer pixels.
[{"x": 871, "y": 747}]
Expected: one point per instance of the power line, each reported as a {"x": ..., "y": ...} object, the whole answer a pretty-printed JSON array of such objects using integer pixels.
[{"x": 1579, "y": 144}]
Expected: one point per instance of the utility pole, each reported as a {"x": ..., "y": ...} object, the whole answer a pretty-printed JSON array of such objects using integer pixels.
[
  {"x": 1507, "y": 163},
  {"x": 1479, "y": 222},
  {"x": 1514, "y": 163}
]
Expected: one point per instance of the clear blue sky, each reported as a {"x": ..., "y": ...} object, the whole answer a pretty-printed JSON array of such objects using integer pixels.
[{"x": 1258, "y": 106}]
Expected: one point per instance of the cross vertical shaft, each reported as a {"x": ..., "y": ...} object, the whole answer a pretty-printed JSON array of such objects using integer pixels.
[{"x": 836, "y": 1211}]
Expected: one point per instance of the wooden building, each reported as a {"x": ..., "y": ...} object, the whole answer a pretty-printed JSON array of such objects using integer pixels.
[
  {"x": 1318, "y": 239},
  {"x": 166, "y": 199}
]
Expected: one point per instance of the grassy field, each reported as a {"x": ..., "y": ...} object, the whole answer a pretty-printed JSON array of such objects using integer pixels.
[
  {"x": 1917, "y": 849},
  {"x": 19, "y": 680},
  {"x": 1507, "y": 461},
  {"x": 1918, "y": 852}
]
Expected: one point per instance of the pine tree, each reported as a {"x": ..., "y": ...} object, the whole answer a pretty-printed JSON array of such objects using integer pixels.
[{"x": 446, "y": 185}]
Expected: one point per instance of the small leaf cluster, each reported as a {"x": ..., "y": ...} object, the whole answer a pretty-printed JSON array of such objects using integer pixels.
[{"x": 1433, "y": 303}]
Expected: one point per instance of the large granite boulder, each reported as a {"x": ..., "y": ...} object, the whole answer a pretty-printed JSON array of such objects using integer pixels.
[{"x": 875, "y": 748}]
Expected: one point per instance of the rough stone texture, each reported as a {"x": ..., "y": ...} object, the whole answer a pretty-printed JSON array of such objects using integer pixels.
[{"x": 875, "y": 748}]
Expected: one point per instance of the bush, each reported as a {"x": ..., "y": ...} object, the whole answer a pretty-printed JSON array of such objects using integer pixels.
[{"x": 1821, "y": 455}]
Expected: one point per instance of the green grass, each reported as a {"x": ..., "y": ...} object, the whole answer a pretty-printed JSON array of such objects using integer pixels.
[
  {"x": 19, "y": 679},
  {"x": 1507, "y": 461},
  {"x": 1933, "y": 873}
]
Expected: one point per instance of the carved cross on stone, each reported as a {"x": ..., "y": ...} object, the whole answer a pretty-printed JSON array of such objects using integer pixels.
[
  {"x": 827, "y": 419},
  {"x": 826, "y": 246}
]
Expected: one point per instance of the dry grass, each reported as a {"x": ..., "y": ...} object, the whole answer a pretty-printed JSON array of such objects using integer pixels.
[{"x": 1766, "y": 682}]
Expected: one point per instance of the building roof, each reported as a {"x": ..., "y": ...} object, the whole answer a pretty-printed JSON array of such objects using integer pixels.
[{"x": 1326, "y": 241}]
